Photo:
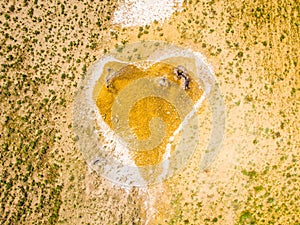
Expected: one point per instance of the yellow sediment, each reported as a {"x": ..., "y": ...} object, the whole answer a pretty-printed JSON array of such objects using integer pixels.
[{"x": 145, "y": 109}]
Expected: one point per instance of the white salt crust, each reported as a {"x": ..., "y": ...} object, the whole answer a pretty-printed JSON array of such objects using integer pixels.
[{"x": 144, "y": 12}]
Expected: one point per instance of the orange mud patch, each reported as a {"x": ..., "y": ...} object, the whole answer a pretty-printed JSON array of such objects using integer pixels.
[{"x": 145, "y": 109}]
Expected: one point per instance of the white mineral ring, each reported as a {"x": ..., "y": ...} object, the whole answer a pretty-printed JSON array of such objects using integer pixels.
[{"x": 106, "y": 148}]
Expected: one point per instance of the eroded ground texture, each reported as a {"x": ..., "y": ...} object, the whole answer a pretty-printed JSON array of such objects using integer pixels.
[{"x": 253, "y": 47}]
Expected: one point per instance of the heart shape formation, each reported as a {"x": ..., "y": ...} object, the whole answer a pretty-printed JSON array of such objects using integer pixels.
[
  {"x": 145, "y": 107},
  {"x": 136, "y": 114}
]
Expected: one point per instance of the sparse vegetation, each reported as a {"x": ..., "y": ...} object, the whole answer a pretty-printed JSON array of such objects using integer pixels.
[{"x": 46, "y": 49}]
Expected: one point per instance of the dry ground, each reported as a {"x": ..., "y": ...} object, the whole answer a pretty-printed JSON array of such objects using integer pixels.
[{"x": 253, "y": 46}]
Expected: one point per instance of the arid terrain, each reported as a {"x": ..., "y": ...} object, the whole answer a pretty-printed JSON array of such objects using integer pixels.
[{"x": 253, "y": 47}]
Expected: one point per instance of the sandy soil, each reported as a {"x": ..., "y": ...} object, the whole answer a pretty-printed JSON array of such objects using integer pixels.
[{"x": 253, "y": 48}]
